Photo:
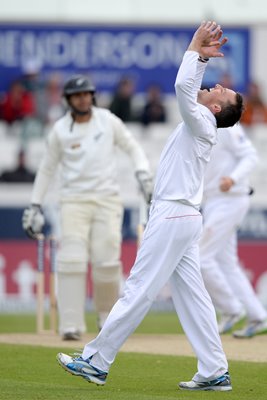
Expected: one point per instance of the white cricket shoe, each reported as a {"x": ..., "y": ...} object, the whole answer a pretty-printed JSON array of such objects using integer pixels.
[
  {"x": 252, "y": 329},
  {"x": 227, "y": 321},
  {"x": 221, "y": 384},
  {"x": 80, "y": 367}
]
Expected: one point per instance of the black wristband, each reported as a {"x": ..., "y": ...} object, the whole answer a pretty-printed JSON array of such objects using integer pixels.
[{"x": 203, "y": 60}]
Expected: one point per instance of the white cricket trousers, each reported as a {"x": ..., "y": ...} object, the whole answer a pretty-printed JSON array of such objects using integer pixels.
[
  {"x": 169, "y": 251},
  {"x": 226, "y": 282}
]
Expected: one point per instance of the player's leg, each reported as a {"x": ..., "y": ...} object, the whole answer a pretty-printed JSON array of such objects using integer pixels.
[
  {"x": 170, "y": 232},
  {"x": 197, "y": 316},
  {"x": 105, "y": 250},
  {"x": 72, "y": 263},
  {"x": 216, "y": 230},
  {"x": 164, "y": 243},
  {"x": 239, "y": 282}
]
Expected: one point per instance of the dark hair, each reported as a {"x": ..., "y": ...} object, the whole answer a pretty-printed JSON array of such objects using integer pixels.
[{"x": 230, "y": 113}]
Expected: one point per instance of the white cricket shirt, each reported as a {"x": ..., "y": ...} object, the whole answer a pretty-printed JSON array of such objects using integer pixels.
[
  {"x": 233, "y": 156},
  {"x": 87, "y": 157},
  {"x": 183, "y": 160}
]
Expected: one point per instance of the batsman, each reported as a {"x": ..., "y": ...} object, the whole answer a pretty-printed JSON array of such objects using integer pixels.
[{"x": 83, "y": 143}]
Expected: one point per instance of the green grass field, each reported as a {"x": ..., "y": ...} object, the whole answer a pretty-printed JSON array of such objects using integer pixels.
[
  {"x": 153, "y": 323},
  {"x": 32, "y": 373}
]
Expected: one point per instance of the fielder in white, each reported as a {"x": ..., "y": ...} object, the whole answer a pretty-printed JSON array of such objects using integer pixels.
[
  {"x": 83, "y": 143},
  {"x": 226, "y": 202},
  {"x": 169, "y": 249}
]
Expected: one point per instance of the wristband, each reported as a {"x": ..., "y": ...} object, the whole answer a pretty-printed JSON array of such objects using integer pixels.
[{"x": 202, "y": 59}]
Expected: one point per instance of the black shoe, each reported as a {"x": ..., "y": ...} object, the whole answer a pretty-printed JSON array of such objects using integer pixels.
[{"x": 71, "y": 336}]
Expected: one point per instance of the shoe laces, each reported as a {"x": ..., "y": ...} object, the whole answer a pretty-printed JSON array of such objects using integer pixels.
[{"x": 76, "y": 354}]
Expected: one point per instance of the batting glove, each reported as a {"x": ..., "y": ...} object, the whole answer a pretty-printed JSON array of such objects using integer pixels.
[
  {"x": 145, "y": 182},
  {"x": 33, "y": 220}
]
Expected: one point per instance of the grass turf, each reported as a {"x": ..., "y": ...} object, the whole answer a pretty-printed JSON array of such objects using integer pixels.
[
  {"x": 32, "y": 373},
  {"x": 154, "y": 322},
  {"x": 157, "y": 323}
]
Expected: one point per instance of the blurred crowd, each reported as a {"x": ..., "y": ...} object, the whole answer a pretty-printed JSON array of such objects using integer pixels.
[
  {"x": 31, "y": 97},
  {"x": 255, "y": 105},
  {"x": 153, "y": 110},
  {"x": 35, "y": 103}
]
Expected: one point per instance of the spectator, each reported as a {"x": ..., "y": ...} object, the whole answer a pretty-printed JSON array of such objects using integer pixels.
[
  {"x": 20, "y": 174},
  {"x": 17, "y": 103},
  {"x": 31, "y": 75},
  {"x": 49, "y": 100},
  {"x": 255, "y": 108},
  {"x": 121, "y": 104},
  {"x": 154, "y": 110}
]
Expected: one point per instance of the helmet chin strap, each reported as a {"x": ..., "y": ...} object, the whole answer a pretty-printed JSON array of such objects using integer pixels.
[{"x": 75, "y": 112}]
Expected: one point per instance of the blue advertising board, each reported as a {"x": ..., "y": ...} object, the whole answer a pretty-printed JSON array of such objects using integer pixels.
[
  {"x": 254, "y": 226},
  {"x": 146, "y": 54}
]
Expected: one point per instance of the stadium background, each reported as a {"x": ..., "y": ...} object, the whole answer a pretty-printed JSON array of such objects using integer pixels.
[{"x": 151, "y": 33}]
